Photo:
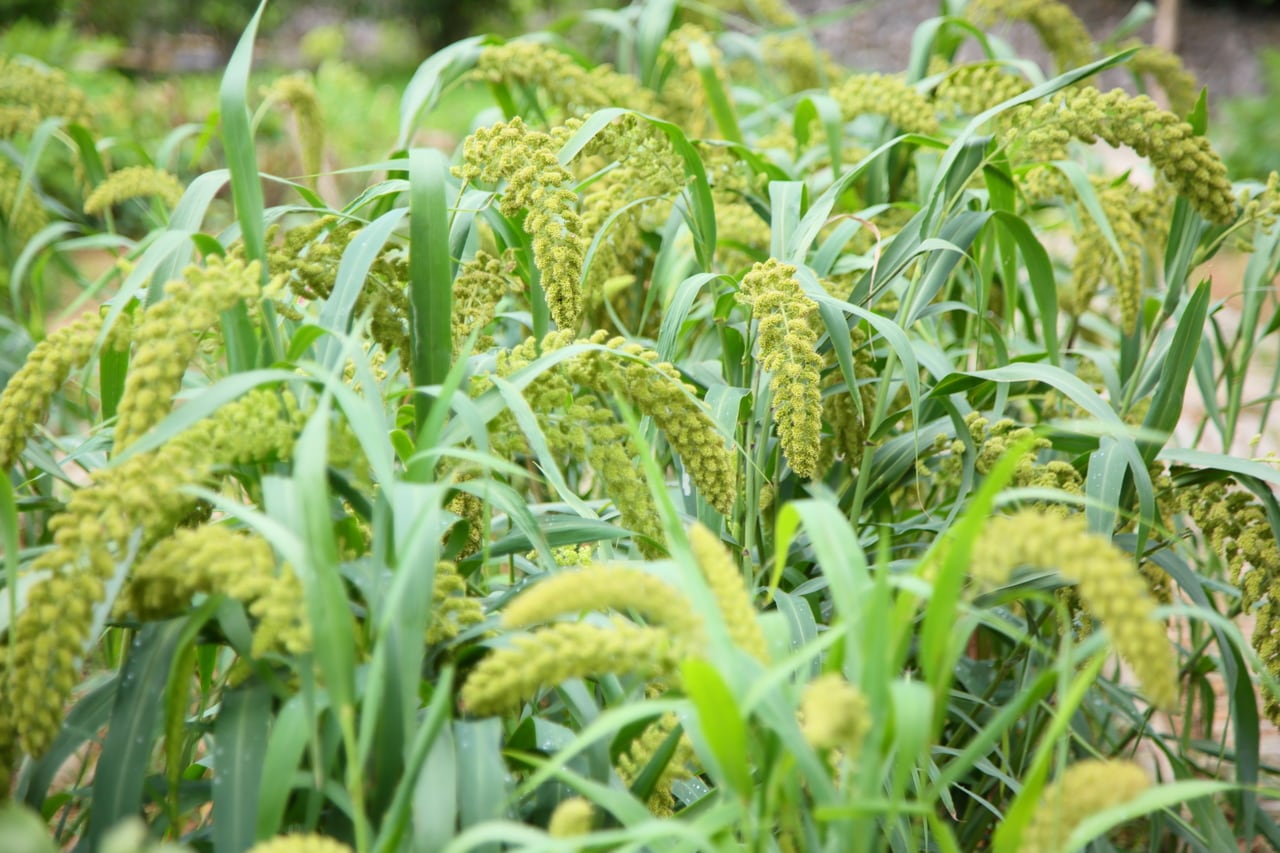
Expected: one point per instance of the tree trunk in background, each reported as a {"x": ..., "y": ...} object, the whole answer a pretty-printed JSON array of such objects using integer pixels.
[{"x": 1166, "y": 24}]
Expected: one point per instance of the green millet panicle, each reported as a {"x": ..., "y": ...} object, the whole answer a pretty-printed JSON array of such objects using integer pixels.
[
  {"x": 27, "y": 395},
  {"x": 23, "y": 214},
  {"x": 993, "y": 440},
  {"x": 193, "y": 560},
  {"x": 1180, "y": 86},
  {"x": 134, "y": 182},
  {"x": 841, "y": 410},
  {"x": 973, "y": 89},
  {"x": 606, "y": 588},
  {"x": 633, "y": 761},
  {"x": 565, "y": 83},
  {"x": 572, "y": 817},
  {"x": 215, "y": 558},
  {"x": 889, "y": 96},
  {"x": 1083, "y": 790},
  {"x": 725, "y": 580},
  {"x": 146, "y": 496},
  {"x": 834, "y": 714},
  {"x": 306, "y": 260},
  {"x": 1063, "y": 34},
  {"x": 788, "y": 350},
  {"x": 798, "y": 62},
  {"x": 510, "y": 676},
  {"x": 536, "y": 182},
  {"x": 1117, "y": 118},
  {"x": 633, "y": 373},
  {"x": 1109, "y": 585},
  {"x": 300, "y": 844},
  {"x": 9, "y": 757},
  {"x": 581, "y": 426},
  {"x": 772, "y": 13},
  {"x": 1258, "y": 211},
  {"x": 306, "y": 257},
  {"x": 470, "y": 511},
  {"x": 452, "y": 610},
  {"x": 1235, "y": 526},
  {"x": 1137, "y": 217},
  {"x": 479, "y": 287},
  {"x": 298, "y": 91},
  {"x": 1095, "y": 259},
  {"x": 168, "y": 336},
  {"x": 613, "y": 456},
  {"x": 683, "y": 94},
  {"x": 276, "y": 604},
  {"x": 741, "y": 234},
  {"x": 637, "y": 171},
  {"x": 30, "y": 93}
]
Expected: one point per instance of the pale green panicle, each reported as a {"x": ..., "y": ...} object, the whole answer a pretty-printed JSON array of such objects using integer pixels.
[
  {"x": 773, "y": 13},
  {"x": 526, "y": 159},
  {"x": 992, "y": 441},
  {"x": 1183, "y": 157},
  {"x": 683, "y": 95},
  {"x": 276, "y": 602},
  {"x": 217, "y": 559},
  {"x": 972, "y": 89},
  {"x": 1109, "y": 585},
  {"x": 305, "y": 260},
  {"x": 1180, "y": 86},
  {"x": 834, "y": 714},
  {"x": 1259, "y": 211},
  {"x": 30, "y": 93},
  {"x": 1235, "y": 526},
  {"x": 145, "y": 496},
  {"x": 28, "y": 393},
  {"x": 613, "y": 456},
  {"x": 134, "y": 182},
  {"x": 889, "y": 96},
  {"x": 741, "y": 233},
  {"x": 192, "y": 560},
  {"x": 23, "y": 215},
  {"x": 788, "y": 350},
  {"x": 168, "y": 335},
  {"x": 847, "y": 417},
  {"x": 799, "y": 62},
  {"x": 470, "y": 511},
  {"x": 578, "y": 426},
  {"x": 725, "y": 579},
  {"x": 606, "y": 588},
  {"x": 309, "y": 843},
  {"x": 633, "y": 373},
  {"x": 568, "y": 85},
  {"x": 452, "y": 610},
  {"x": 510, "y": 676},
  {"x": 298, "y": 91},
  {"x": 1138, "y": 219},
  {"x": 572, "y": 817},
  {"x": 1126, "y": 209},
  {"x": 635, "y": 172},
  {"x": 479, "y": 287},
  {"x": 632, "y": 762},
  {"x": 1083, "y": 790},
  {"x": 1063, "y": 33}
]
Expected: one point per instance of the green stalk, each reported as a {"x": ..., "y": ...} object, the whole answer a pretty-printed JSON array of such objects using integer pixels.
[{"x": 430, "y": 274}]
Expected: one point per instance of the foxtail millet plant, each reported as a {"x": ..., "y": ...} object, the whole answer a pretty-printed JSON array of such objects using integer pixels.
[{"x": 717, "y": 449}]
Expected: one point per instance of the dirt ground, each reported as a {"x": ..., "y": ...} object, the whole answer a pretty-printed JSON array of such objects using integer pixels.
[{"x": 1220, "y": 44}]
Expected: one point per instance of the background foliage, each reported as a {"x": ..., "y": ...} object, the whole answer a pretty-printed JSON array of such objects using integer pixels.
[{"x": 714, "y": 449}]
